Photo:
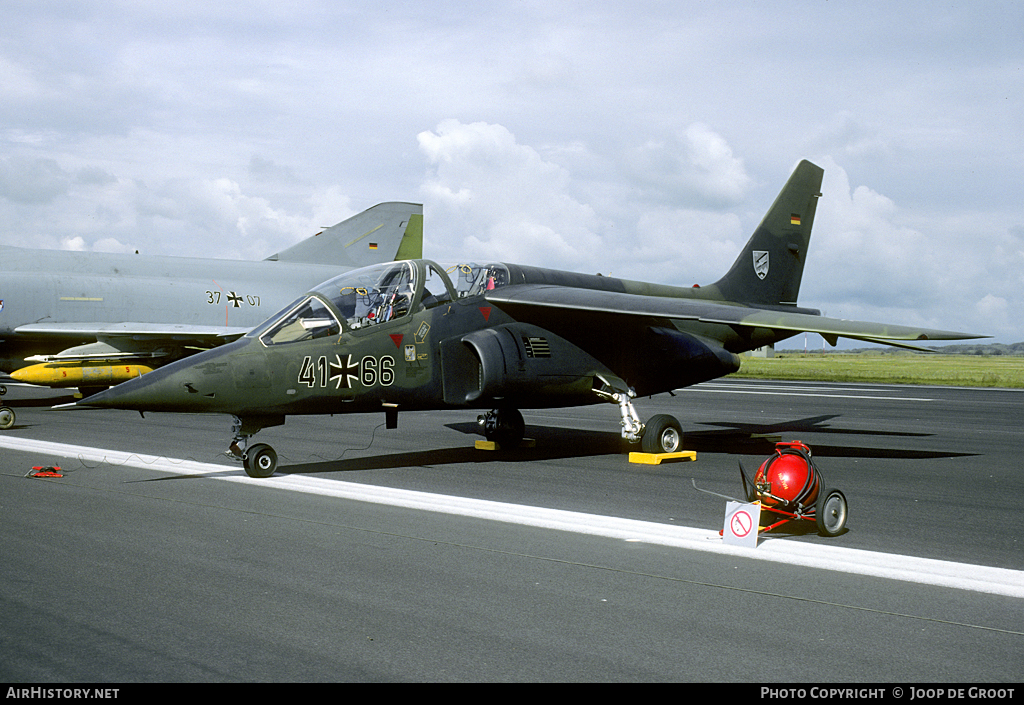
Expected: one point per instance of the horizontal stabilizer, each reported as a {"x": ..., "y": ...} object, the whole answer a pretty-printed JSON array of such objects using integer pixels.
[{"x": 883, "y": 333}]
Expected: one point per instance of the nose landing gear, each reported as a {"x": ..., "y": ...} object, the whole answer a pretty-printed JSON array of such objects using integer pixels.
[{"x": 259, "y": 460}]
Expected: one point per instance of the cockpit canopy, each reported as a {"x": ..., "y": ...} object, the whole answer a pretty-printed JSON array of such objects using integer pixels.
[
  {"x": 376, "y": 295},
  {"x": 373, "y": 295},
  {"x": 474, "y": 279}
]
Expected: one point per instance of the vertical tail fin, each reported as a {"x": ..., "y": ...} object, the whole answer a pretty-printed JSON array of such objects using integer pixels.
[
  {"x": 385, "y": 232},
  {"x": 771, "y": 264}
]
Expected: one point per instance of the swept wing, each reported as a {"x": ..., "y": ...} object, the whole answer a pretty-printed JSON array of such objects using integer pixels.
[{"x": 530, "y": 301}]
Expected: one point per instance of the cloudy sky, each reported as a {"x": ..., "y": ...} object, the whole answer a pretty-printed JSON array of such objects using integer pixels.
[{"x": 641, "y": 139}]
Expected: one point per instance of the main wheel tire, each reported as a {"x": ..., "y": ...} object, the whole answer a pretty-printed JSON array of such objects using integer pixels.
[
  {"x": 830, "y": 512},
  {"x": 508, "y": 428},
  {"x": 663, "y": 434},
  {"x": 260, "y": 461},
  {"x": 6, "y": 418}
]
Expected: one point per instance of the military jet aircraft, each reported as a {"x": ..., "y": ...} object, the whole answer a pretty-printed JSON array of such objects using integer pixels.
[
  {"x": 414, "y": 335},
  {"x": 91, "y": 320}
]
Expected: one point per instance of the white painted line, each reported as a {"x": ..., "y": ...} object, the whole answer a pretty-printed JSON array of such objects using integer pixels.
[
  {"x": 998, "y": 581},
  {"x": 805, "y": 389},
  {"x": 806, "y": 394},
  {"x": 795, "y": 384}
]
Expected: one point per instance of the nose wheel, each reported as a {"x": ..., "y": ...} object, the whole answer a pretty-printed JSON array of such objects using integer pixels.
[{"x": 259, "y": 459}]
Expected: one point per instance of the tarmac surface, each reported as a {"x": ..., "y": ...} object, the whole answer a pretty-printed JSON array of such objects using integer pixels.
[{"x": 408, "y": 555}]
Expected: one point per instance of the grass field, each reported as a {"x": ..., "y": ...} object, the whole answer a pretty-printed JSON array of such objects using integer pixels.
[{"x": 954, "y": 370}]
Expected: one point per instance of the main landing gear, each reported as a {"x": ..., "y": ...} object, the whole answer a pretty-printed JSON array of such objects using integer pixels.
[
  {"x": 504, "y": 426},
  {"x": 661, "y": 434}
]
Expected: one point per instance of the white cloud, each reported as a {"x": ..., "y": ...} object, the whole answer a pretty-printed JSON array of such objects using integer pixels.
[
  {"x": 857, "y": 235},
  {"x": 330, "y": 207},
  {"x": 993, "y": 307},
  {"x": 845, "y": 135},
  {"x": 492, "y": 197},
  {"x": 217, "y": 210},
  {"x": 17, "y": 80},
  {"x": 32, "y": 180},
  {"x": 73, "y": 244},
  {"x": 110, "y": 244},
  {"x": 695, "y": 167},
  {"x": 866, "y": 262},
  {"x": 682, "y": 246}
]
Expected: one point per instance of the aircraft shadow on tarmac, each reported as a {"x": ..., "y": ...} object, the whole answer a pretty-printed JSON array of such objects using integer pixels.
[
  {"x": 759, "y": 439},
  {"x": 554, "y": 443},
  {"x": 551, "y": 444}
]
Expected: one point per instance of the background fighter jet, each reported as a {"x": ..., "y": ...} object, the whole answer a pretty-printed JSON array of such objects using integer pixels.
[
  {"x": 413, "y": 335},
  {"x": 91, "y": 320}
]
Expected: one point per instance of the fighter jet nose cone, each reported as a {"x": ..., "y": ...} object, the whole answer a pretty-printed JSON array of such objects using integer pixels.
[
  {"x": 146, "y": 393},
  {"x": 193, "y": 384},
  {"x": 107, "y": 398}
]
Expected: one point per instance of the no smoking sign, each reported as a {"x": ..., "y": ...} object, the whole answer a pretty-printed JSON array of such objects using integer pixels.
[{"x": 741, "y": 524}]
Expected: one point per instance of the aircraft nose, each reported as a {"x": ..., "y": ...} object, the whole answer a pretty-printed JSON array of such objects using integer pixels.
[
  {"x": 147, "y": 393},
  {"x": 175, "y": 387}
]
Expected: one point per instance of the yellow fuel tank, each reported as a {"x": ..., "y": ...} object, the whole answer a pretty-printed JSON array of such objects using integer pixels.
[{"x": 78, "y": 374}]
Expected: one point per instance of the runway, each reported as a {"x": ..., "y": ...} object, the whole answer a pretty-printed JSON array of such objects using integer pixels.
[{"x": 381, "y": 555}]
